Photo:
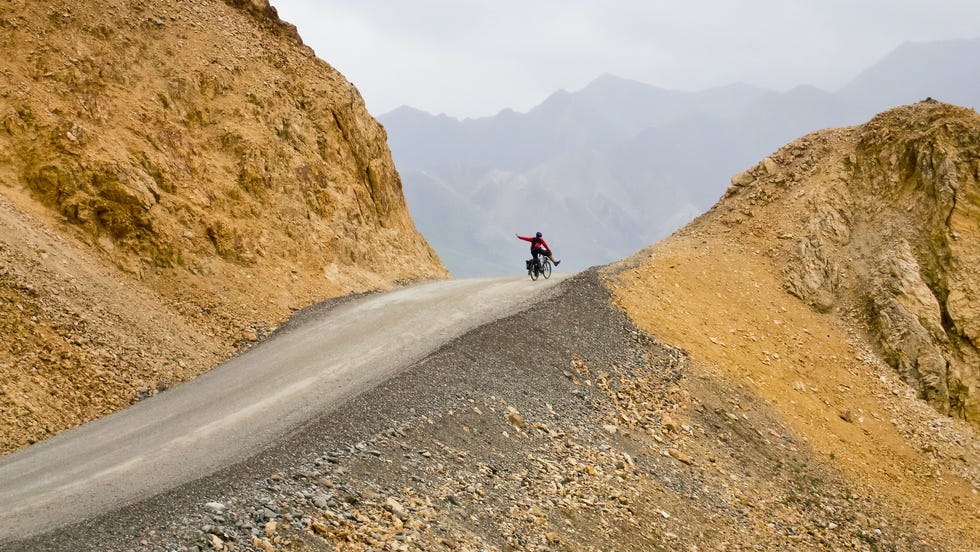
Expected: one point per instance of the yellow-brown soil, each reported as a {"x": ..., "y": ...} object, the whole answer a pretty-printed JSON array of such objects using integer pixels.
[
  {"x": 175, "y": 179},
  {"x": 719, "y": 290}
]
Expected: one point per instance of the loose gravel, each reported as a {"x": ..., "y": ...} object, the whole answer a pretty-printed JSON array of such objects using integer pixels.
[{"x": 562, "y": 427}]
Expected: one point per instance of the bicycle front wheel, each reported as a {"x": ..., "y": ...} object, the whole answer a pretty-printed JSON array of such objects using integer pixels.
[{"x": 546, "y": 269}]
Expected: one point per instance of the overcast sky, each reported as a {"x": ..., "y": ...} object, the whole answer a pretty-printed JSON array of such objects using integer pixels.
[{"x": 470, "y": 58}]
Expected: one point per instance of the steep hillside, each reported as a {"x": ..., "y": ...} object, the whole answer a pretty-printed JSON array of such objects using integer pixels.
[
  {"x": 885, "y": 229},
  {"x": 175, "y": 177},
  {"x": 838, "y": 281}
]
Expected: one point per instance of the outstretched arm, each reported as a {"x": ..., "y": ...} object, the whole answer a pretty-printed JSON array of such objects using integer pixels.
[{"x": 525, "y": 238}]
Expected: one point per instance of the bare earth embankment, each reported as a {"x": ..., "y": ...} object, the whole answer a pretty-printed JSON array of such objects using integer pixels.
[
  {"x": 837, "y": 281},
  {"x": 560, "y": 428},
  {"x": 176, "y": 178}
]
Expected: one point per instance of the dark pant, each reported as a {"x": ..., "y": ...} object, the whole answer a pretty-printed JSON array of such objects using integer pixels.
[{"x": 535, "y": 251}]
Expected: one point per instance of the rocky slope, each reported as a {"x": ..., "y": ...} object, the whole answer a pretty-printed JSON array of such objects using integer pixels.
[
  {"x": 175, "y": 177},
  {"x": 885, "y": 229},
  {"x": 837, "y": 280},
  {"x": 584, "y": 434}
]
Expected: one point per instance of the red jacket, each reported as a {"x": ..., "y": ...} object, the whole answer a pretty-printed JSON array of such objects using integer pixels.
[{"x": 536, "y": 242}]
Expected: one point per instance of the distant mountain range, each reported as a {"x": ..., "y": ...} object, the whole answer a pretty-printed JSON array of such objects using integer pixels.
[{"x": 620, "y": 164}]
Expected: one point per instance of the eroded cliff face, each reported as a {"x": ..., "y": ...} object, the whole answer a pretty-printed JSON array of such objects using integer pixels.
[
  {"x": 193, "y": 161},
  {"x": 173, "y": 134},
  {"x": 882, "y": 226},
  {"x": 835, "y": 280},
  {"x": 266, "y": 14}
]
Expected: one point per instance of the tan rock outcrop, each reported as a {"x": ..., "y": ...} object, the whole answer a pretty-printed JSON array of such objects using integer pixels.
[
  {"x": 195, "y": 157},
  {"x": 266, "y": 13},
  {"x": 880, "y": 222},
  {"x": 820, "y": 282}
]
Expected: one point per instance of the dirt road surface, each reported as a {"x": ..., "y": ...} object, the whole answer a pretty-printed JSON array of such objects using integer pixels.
[{"x": 319, "y": 360}]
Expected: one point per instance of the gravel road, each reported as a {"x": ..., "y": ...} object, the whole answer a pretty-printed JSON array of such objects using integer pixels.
[
  {"x": 323, "y": 358},
  {"x": 557, "y": 427}
]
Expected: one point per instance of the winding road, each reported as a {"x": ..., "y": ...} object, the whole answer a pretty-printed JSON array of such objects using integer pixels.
[{"x": 245, "y": 404}]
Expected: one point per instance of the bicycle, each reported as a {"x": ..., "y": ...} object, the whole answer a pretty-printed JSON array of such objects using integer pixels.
[{"x": 541, "y": 268}]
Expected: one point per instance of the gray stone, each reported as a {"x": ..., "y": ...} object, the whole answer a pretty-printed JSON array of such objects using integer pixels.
[
  {"x": 266, "y": 514},
  {"x": 395, "y": 508}
]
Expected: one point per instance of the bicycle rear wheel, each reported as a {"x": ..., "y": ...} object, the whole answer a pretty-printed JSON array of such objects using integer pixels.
[
  {"x": 533, "y": 273},
  {"x": 546, "y": 269}
]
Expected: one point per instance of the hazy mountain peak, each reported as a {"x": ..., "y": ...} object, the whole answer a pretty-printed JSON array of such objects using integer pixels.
[
  {"x": 668, "y": 153},
  {"x": 607, "y": 81},
  {"x": 559, "y": 97},
  {"x": 916, "y": 70},
  {"x": 407, "y": 110},
  {"x": 808, "y": 89},
  {"x": 412, "y": 115}
]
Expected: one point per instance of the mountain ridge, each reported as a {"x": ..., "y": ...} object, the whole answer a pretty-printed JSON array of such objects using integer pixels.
[
  {"x": 718, "y": 133},
  {"x": 916, "y": 70}
]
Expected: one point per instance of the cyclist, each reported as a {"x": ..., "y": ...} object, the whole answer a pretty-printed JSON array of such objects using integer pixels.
[{"x": 538, "y": 247}]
